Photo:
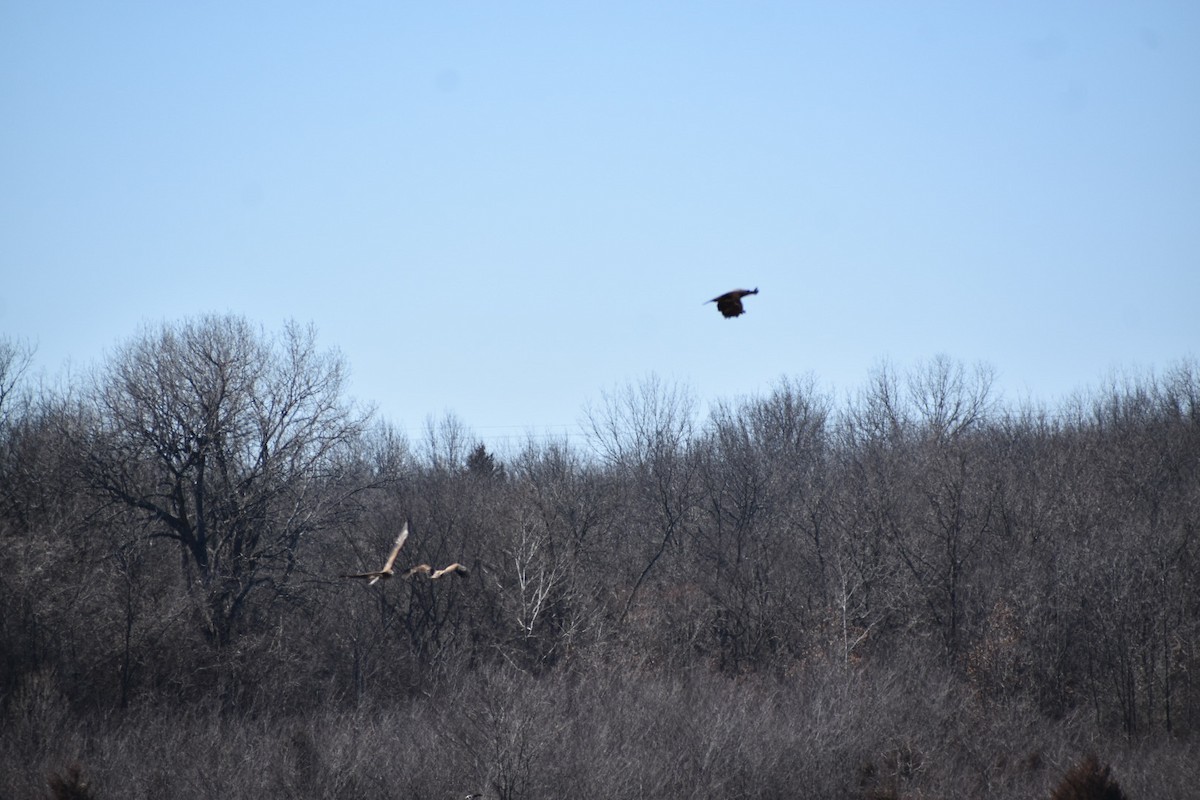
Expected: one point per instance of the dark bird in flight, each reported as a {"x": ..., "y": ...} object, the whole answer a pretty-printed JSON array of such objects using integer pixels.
[
  {"x": 387, "y": 570},
  {"x": 730, "y": 303}
]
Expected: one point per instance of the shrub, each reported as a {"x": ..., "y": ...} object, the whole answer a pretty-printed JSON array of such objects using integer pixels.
[
  {"x": 70, "y": 785},
  {"x": 1088, "y": 780}
]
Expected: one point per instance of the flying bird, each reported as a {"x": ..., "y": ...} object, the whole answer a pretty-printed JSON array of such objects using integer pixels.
[
  {"x": 387, "y": 570},
  {"x": 456, "y": 568},
  {"x": 433, "y": 575},
  {"x": 424, "y": 569},
  {"x": 730, "y": 303}
]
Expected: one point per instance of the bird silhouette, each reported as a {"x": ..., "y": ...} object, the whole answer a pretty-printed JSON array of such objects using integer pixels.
[
  {"x": 730, "y": 303},
  {"x": 387, "y": 571}
]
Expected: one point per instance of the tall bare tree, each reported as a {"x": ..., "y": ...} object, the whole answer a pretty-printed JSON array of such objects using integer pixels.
[
  {"x": 643, "y": 432},
  {"x": 229, "y": 443},
  {"x": 763, "y": 545},
  {"x": 15, "y": 358}
]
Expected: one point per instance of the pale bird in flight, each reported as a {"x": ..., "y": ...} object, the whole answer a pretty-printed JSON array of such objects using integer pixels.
[
  {"x": 456, "y": 568},
  {"x": 387, "y": 570},
  {"x": 425, "y": 569}
]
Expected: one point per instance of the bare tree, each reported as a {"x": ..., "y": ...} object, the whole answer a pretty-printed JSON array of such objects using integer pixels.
[
  {"x": 231, "y": 444},
  {"x": 921, "y": 488},
  {"x": 953, "y": 489},
  {"x": 15, "y": 358},
  {"x": 763, "y": 547},
  {"x": 948, "y": 401},
  {"x": 643, "y": 432}
]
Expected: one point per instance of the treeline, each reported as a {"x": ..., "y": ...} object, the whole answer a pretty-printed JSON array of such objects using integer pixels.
[{"x": 915, "y": 591}]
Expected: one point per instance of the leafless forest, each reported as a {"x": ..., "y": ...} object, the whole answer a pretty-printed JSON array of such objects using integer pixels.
[{"x": 910, "y": 591}]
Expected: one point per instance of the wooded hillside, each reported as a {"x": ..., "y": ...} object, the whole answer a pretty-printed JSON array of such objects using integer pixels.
[{"x": 918, "y": 591}]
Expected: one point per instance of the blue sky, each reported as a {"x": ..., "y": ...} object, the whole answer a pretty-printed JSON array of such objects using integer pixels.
[{"x": 504, "y": 210}]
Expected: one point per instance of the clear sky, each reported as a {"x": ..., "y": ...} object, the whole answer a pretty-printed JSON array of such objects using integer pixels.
[{"x": 504, "y": 210}]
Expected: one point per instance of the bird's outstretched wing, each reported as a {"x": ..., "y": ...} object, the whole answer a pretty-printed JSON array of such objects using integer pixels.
[
  {"x": 730, "y": 303},
  {"x": 386, "y": 571},
  {"x": 396, "y": 548}
]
